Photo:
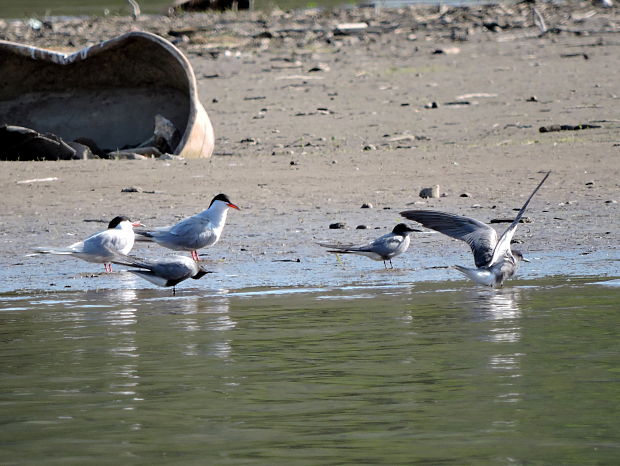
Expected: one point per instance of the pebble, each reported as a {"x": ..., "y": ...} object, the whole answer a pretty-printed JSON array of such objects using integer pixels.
[
  {"x": 319, "y": 67},
  {"x": 366, "y": 205},
  {"x": 132, "y": 189},
  {"x": 431, "y": 105},
  {"x": 432, "y": 192},
  {"x": 465, "y": 195},
  {"x": 369, "y": 147},
  {"x": 337, "y": 226},
  {"x": 361, "y": 227}
]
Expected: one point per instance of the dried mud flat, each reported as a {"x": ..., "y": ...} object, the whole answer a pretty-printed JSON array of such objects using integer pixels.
[{"x": 312, "y": 121}]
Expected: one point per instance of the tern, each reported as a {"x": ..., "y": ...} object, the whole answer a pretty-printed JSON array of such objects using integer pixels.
[
  {"x": 381, "y": 249},
  {"x": 495, "y": 260},
  {"x": 193, "y": 233},
  {"x": 101, "y": 247},
  {"x": 164, "y": 272}
]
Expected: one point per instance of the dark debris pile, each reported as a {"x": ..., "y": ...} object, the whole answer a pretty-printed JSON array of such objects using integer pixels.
[{"x": 212, "y": 33}]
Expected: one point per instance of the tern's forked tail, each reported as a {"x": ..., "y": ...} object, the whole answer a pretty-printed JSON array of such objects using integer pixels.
[{"x": 480, "y": 276}]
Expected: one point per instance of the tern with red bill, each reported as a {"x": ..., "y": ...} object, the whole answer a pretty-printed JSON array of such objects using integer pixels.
[
  {"x": 199, "y": 231},
  {"x": 495, "y": 260},
  {"x": 101, "y": 247}
]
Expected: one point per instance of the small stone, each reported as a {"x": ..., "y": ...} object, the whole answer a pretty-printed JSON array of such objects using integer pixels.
[
  {"x": 132, "y": 189},
  {"x": 611, "y": 201},
  {"x": 589, "y": 184},
  {"x": 369, "y": 147},
  {"x": 431, "y": 105},
  {"x": 366, "y": 205},
  {"x": 337, "y": 226},
  {"x": 319, "y": 67},
  {"x": 361, "y": 227},
  {"x": 171, "y": 157},
  {"x": 465, "y": 195},
  {"x": 125, "y": 155},
  {"x": 430, "y": 192},
  {"x": 532, "y": 99}
]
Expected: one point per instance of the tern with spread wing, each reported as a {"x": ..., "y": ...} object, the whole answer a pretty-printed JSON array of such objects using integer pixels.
[
  {"x": 383, "y": 248},
  {"x": 193, "y": 233},
  {"x": 101, "y": 247},
  {"x": 495, "y": 260},
  {"x": 164, "y": 272}
]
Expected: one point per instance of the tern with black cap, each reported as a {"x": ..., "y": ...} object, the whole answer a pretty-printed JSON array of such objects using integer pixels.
[
  {"x": 166, "y": 272},
  {"x": 199, "y": 231},
  {"x": 383, "y": 248},
  {"x": 495, "y": 260},
  {"x": 101, "y": 247}
]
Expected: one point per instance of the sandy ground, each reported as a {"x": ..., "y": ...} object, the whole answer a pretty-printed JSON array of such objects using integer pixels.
[{"x": 298, "y": 150}]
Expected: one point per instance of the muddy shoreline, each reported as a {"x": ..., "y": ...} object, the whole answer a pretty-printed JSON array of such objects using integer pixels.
[{"x": 311, "y": 124}]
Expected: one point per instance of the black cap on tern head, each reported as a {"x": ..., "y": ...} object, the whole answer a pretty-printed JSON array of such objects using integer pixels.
[
  {"x": 221, "y": 197},
  {"x": 402, "y": 229},
  {"x": 116, "y": 220}
]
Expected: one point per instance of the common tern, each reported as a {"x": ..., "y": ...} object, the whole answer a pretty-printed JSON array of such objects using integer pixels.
[
  {"x": 495, "y": 260},
  {"x": 101, "y": 247},
  {"x": 164, "y": 272},
  {"x": 193, "y": 233},
  {"x": 381, "y": 249}
]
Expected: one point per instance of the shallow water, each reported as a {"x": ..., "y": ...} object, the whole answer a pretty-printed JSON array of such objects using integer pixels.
[{"x": 429, "y": 373}]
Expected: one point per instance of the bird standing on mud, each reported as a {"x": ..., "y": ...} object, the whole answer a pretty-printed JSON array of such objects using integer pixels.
[
  {"x": 101, "y": 247},
  {"x": 383, "y": 248},
  {"x": 495, "y": 260},
  {"x": 199, "y": 231}
]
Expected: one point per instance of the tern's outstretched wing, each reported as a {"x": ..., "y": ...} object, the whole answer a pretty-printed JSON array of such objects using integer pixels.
[
  {"x": 480, "y": 237},
  {"x": 503, "y": 245}
]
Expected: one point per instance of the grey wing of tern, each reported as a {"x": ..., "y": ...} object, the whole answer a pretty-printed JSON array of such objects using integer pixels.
[
  {"x": 503, "y": 245},
  {"x": 481, "y": 238}
]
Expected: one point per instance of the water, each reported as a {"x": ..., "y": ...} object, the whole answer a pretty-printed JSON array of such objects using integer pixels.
[{"x": 431, "y": 373}]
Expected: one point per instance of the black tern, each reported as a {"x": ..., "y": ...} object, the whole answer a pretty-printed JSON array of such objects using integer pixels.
[
  {"x": 495, "y": 260},
  {"x": 101, "y": 247},
  {"x": 164, "y": 272},
  {"x": 193, "y": 233},
  {"x": 381, "y": 249}
]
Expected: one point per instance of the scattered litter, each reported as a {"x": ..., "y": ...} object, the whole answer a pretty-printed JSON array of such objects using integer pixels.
[
  {"x": 350, "y": 28},
  {"x": 37, "y": 180},
  {"x": 475, "y": 96},
  {"x": 551, "y": 128},
  {"x": 510, "y": 220}
]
